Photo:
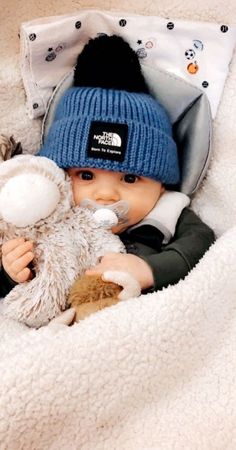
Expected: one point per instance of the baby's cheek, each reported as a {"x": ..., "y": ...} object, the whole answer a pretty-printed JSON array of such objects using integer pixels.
[{"x": 76, "y": 194}]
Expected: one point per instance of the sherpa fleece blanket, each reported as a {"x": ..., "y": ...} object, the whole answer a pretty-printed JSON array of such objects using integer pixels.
[{"x": 156, "y": 372}]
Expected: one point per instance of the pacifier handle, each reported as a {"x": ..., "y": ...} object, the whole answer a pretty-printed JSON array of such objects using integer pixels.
[{"x": 120, "y": 208}]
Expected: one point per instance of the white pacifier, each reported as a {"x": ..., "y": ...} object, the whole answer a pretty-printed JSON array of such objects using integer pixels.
[{"x": 107, "y": 215}]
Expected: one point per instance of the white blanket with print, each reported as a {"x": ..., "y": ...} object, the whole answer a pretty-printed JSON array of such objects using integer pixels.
[{"x": 157, "y": 372}]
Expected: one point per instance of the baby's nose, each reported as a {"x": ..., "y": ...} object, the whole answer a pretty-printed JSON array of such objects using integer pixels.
[{"x": 107, "y": 194}]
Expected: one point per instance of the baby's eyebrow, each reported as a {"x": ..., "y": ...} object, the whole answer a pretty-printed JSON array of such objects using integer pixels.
[{"x": 130, "y": 173}]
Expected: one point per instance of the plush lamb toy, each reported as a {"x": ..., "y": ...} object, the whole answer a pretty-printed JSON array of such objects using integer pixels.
[{"x": 36, "y": 202}]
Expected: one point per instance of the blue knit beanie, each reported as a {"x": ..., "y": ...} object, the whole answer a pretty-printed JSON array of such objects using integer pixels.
[{"x": 113, "y": 130}]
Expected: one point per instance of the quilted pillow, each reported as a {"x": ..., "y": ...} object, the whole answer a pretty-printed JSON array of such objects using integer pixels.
[{"x": 198, "y": 52}]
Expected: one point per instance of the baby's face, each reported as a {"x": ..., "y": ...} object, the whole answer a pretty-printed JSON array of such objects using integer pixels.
[{"x": 106, "y": 187}]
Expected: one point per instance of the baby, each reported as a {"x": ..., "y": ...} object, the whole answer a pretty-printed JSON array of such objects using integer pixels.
[{"x": 118, "y": 146}]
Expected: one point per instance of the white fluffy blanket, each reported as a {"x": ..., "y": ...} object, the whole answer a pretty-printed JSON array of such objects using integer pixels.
[{"x": 157, "y": 372}]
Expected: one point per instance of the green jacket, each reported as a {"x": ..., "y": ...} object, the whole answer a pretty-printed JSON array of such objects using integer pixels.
[{"x": 173, "y": 261}]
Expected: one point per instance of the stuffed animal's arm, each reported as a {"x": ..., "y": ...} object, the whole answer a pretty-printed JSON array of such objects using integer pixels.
[
  {"x": 131, "y": 287},
  {"x": 104, "y": 242}
]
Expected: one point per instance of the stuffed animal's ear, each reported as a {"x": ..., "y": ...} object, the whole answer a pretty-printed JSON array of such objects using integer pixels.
[
  {"x": 9, "y": 147},
  {"x": 28, "y": 198}
]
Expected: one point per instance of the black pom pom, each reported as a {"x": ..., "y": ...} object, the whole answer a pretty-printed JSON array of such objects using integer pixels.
[{"x": 109, "y": 62}]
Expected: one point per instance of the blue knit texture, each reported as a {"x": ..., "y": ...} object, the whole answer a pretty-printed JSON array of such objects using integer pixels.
[{"x": 150, "y": 151}]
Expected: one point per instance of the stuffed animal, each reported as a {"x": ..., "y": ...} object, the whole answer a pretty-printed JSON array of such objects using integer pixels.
[{"x": 36, "y": 202}]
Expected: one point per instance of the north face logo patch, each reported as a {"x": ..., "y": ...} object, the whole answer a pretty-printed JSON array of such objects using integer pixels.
[{"x": 107, "y": 141}]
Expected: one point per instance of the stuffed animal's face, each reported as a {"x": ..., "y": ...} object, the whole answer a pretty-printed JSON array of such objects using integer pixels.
[{"x": 33, "y": 190}]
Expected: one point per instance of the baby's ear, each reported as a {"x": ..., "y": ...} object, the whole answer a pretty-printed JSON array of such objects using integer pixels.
[{"x": 9, "y": 147}]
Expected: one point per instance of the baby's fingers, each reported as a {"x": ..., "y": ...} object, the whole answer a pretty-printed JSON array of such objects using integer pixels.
[
  {"x": 94, "y": 271},
  {"x": 24, "y": 275},
  {"x": 21, "y": 263},
  {"x": 11, "y": 245},
  {"x": 19, "y": 251}
]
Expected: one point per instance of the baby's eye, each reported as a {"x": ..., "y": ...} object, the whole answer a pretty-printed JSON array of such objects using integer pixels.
[
  {"x": 130, "y": 178},
  {"x": 86, "y": 175}
]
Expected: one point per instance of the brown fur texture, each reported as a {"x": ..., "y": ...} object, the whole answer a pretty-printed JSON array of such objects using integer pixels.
[
  {"x": 9, "y": 147},
  {"x": 90, "y": 294}
]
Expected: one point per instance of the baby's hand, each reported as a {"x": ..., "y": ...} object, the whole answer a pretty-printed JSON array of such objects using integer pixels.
[
  {"x": 126, "y": 262},
  {"x": 16, "y": 255}
]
